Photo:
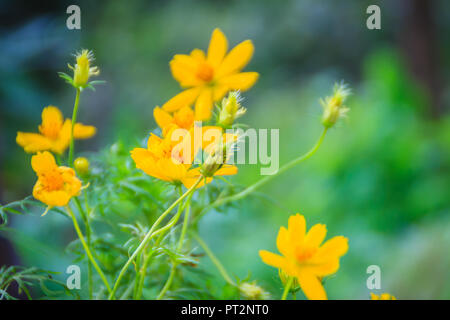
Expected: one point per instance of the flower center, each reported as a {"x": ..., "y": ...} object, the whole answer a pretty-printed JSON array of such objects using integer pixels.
[
  {"x": 304, "y": 253},
  {"x": 53, "y": 180},
  {"x": 205, "y": 72},
  {"x": 50, "y": 129}
]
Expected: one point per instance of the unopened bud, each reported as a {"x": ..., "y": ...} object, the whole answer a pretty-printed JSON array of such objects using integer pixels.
[
  {"x": 333, "y": 107},
  {"x": 231, "y": 109},
  {"x": 81, "y": 165}
]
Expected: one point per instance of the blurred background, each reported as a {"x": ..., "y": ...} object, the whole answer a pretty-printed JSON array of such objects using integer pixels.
[{"x": 381, "y": 178}]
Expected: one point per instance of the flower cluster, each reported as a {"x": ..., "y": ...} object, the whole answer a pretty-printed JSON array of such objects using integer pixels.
[{"x": 209, "y": 78}]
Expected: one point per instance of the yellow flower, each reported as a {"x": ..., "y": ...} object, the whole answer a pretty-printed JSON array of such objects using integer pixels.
[
  {"x": 55, "y": 185},
  {"x": 303, "y": 256},
  {"x": 383, "y": 296},
  {"x": 182, "y": 118},
  {"x": 83, "y": 69},
  {"x": 164, "y": 159},
  {"x": 54, "y": 133},
  {"x": 208, "y": 77}
]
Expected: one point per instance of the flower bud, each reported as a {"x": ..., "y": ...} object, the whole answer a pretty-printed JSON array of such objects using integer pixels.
[
  {"x": 83, "y": 70},
  {"x": 333, "y": 107},
  {"x": 252, "y": 291},
  {"x": 81, "y": 165},
  {"x": 231, "y": 109},
  {"x": 218, "y": 154}
]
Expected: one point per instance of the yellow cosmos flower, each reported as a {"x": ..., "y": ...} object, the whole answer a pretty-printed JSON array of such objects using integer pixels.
[
  {"x": 55, "y": 185},
  {"x": 182, "y": 118},
  {"x": 208, "y": 77},
  {"x": 164, "y": 159},
  {"x": 83, "y": 69},
  {"x": 54, "y": 133},
  {"x": 383, "y": 296},
  {"x": 304, "y": 257}
]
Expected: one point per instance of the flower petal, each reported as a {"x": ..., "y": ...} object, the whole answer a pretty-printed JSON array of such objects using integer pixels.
[
  {"x": 297, "y": 228},
  {"x": 311, "y": 286},
  {"x": 240, "y": 81},
  {"x": 236, "y": 59},
  {"x": 226, "y": 170},
  {"x": 184, "y": 98},
  {"x": 204, "y": 105},
  {"x": 273, "y": 259},
  {"x": 162, "y": 117},
  {"x": 52, "y": 121},
  {"x": 283, "y": 243},
  {"x": 333, "y": 248},
  {"x": 184, "y": 68},
  {"x": 43, "y": 162},
  {"x": 315, "y": 235},
  {"x": 218, "y": 46},
  {"x": 33, "y": 142},
  {"x": 81, "y": 131}
]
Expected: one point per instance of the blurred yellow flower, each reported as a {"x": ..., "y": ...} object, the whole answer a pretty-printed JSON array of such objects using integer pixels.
[
  {"x": 55, "y": 185},
  {"x": 383, "y": 296},
  {"x": 54, "y": 133},
  {"x": 303, "y": 256},
  {"x": 83, "y": 69},
  {"x": 208, "y": 77},
  {"x": 182, "y": 118}
]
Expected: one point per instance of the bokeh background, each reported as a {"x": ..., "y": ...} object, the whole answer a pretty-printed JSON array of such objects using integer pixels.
[{"x": 382, "y": 177}]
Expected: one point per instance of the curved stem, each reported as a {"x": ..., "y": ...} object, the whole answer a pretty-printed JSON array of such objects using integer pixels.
[
  {"x": 74, "y": 120},
  {"x": 266, "y": 179},
  {"x": 287, "y": 288},
  {"x": 214, "y": 260},
  {"x": 86, "y": 248},
  {"x": 149, "y": 235}
]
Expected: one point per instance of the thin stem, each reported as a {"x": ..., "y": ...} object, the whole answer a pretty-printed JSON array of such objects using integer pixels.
[
  {"x": 287, "y": 288},
  {"x": 178, "y": 250},
  {"x": 74, "y": 120},
  {"x": 88, "y": 237},
  {"x": 149, "y": 235},
  {"x": 168, "y": 283},
  {"x": 214, "y": 259},
  {"x": 266, "y": 179},
  {"x": 86, "y": 248},
  {"x": 143, "y": 270}
]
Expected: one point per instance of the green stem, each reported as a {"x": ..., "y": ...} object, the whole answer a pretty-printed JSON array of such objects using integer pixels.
[
  {"x": 214, "y": 260},
  {"x": 287, "y": 288},
  {"x": 149, "y": 235},
  {"x": 143, "y": 271},
  {"x": 74, "y": 120},
  {"x": 88, "y": 237},
  {"x": 178, "y": 251},
  {"x": 86, "y": 248},
  {"x": 266, "y": 179}
]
